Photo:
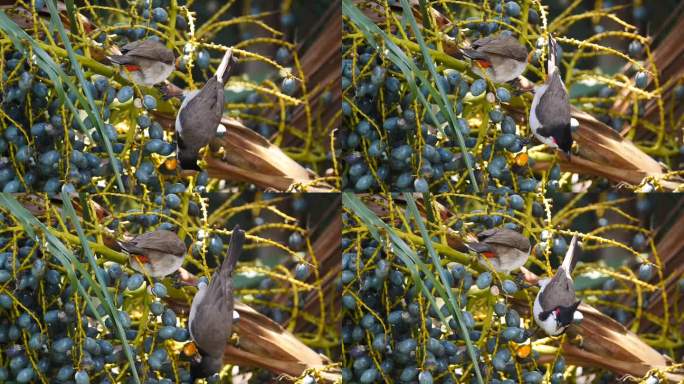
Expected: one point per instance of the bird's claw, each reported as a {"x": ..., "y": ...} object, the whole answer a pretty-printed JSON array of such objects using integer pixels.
[
  {"x": 169, "y": 91},
  {"x": 176, "y": 281},
  {"x": 520, "y": 281},
  {"x": 166, "y": 94},
  {"x": 519, "y": 88}
]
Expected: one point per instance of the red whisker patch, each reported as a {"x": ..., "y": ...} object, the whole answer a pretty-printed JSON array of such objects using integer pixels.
[
  {"x": 488, "y": 255},
  {"x": 484, "y": 63},
  {"x": 132, "y": 68},
  {"x": 142, "y": 259}
]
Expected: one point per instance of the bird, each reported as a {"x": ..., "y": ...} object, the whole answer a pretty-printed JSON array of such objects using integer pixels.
[
  {"x": 211, "y": 313},
  {"x": 200, "y": 115},
  {"x": 145, "y": 62},
  {"x": 504, "y": 249},
  {"x": 158, "y": 253},
  {"x": 555, "y": 306},
  {"x": 501, "y": 58},
  {"x": 550, "y": 118}
]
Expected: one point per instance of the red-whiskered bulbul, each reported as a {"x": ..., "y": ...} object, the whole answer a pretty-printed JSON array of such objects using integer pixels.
[
  {"x": 555, "y": 306},
  {"x": 500, "y": 58},
  {"x": 145, "y": 62},
  {"x": 200, "y": 115},
  {"x": 504, "y": 249},
  {"x": 550, "y": 118},
  {"x": 211, "y": 313},
  {"x": 158, "y": 253}
]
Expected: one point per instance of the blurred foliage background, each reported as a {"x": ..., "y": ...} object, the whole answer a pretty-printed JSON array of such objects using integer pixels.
[
  {"x": 57, "y": 260},
  {"x": 417, "y": 308},
  {"x": 68, "y": 117},
  {"x": 620, "y": 62}
]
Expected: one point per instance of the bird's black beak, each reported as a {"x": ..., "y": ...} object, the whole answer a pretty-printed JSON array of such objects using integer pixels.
[{"x": 576, "y": 305}]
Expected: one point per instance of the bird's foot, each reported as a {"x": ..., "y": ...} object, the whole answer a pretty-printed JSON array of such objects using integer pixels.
[
  {"x": 521, "y": 86},
  {"x": 169, "y": 90},
  {"x": 176, "y": 280},
  {"x": 519, "y": 279},
  {"x": 181, "y": 279},
  {"x": 517, "y": 87}
]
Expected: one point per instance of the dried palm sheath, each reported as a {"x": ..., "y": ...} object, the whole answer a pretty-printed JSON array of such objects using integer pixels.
[
  {"x": 375, "y": 11},
  {"x": 39, "y": 204},
  {"x": 608, "y": 344},
  {"x": 321, "y": 63},
  {"x": 24, "y": 17},
  {"x": 250, "y": 158},
  {"x": 264, "y": 343},
  {"x": 604, "y": 153}
]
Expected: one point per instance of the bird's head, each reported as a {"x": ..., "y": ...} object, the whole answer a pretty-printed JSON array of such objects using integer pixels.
[
  {"x": 562, "y": 315},
  {"x": 562, "y": 138}
]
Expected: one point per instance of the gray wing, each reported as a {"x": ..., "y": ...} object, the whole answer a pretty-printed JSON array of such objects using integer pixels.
[
  {"x": 560, "y": 291},
  {"x": 506, "y": 46},
  {"x": 473, "y": 54},
  {"x": 506, "y": 237},
  {"x": 131, "y": 46},
  {"x": 481, "y": 42},
  {"x": 214, "y": 314},
  {"x": 160, "y": 240},
  {"x": 487, "y": 233},
  {"x": 480, "y": 247},
  {"x": 475, "y": 51},
  {"x": 203, "y": 114},
  {"x": 122, "y": 59},
  {"x": 149, "y": 49},
  {"x": 556, "y": 106}
]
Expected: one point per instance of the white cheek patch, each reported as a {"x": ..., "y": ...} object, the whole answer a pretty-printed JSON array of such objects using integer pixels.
[{"x": 549, "y": 325}]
